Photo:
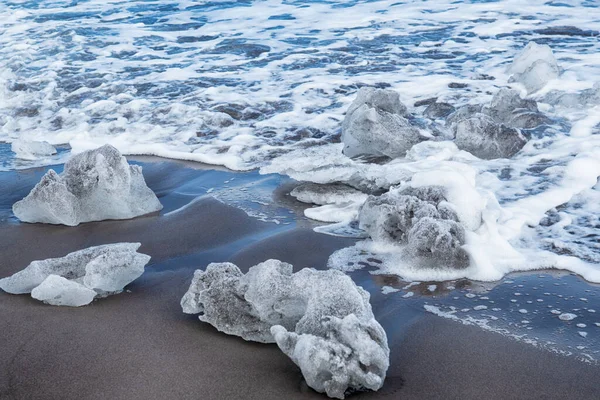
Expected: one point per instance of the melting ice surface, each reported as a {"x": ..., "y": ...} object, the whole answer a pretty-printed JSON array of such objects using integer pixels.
[{"x": 244, "y": 83}]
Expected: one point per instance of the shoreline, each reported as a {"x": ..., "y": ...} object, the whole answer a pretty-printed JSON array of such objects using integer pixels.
[{"x": 139, "y": 345}]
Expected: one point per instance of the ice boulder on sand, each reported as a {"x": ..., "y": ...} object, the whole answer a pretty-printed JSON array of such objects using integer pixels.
[
  {"x": 95, "y": 185},
  {"x": 534, "y": 67},
  {"x": 483, "y": 137},
  {"x": 422, "y": 220},
  {"x": 375, "y": 125},
  {"x": 31, "y": 150},
  {"x": 320, "y": 319},
  {"x": 79, "y": 277}
]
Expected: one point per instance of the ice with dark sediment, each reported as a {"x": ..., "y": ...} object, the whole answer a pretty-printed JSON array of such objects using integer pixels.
[
  {"x": 32, "y": 150},
  {"x": 481, "y": 136},
  {"x": 534, "y": 67},
  {"x": 508, "y": 108},
  {"x": 320, "y": 319},
  {"x": 438, "y": 110},
  {"x": 375, "y": 125},
  {"x": 70, "y": 280},
  {"x": 419, "y": 218},
  {"x": 95, "y": 185}
]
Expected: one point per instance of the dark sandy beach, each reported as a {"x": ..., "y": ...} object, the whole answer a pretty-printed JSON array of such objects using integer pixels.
[{"x": 139, "y": 345}]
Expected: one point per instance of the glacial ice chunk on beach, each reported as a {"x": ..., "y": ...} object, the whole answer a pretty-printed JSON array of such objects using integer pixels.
[
  {"x": 31, "y": 150},
  {"x": 375, "y": 125},
  {"x": 95, "y": 185},
  {"x": 320, "y": 319},
  {"x": 534, "y": 67},
  {"x": 103, "y": 270},
  {"x": 58, "y": 291}
]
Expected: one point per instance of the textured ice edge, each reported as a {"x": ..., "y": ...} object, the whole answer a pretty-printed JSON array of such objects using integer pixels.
[
  {"x": 320, "y": 319},
  {"x": 79, "y": 277},
  {"x": 96, "y": 185}
]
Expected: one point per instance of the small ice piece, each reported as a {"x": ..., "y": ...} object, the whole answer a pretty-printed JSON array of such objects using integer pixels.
[
  {"x": 508, "y": 108},
  {"x": 523, "y": 311},
  {"x": 438, "y": 110},
  {"x": 59, "y": 291},
  {"x": 432, "y": 288},
  {"x": 31, "y": 150},
  {"x": 581, "y": 325},
  {"x": 313, "y": 193},
  {"x": 470, "y": 295},
  {"x": 534, "y": 67},
  {"x": 582, "y": 334},
  {"x": 464, "y": 112},
  {"x": 479, "y": 308},
  {"x": 382, "y": 99},
  {"x": 320, "y": 319},
  {"x": 375, "y": 125},
  {"x": 567, "y": 317},
  {"x": 484, "y": 138},
  {"x": 408, "y": 294},
  {"x": 530, "y": 54},
  {"x": 95, "y": 185},
  {"x": 389, "y": 289},
  {"x": 105, "y": 269}
]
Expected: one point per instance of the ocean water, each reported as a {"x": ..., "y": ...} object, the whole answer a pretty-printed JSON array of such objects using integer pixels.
[
  {"x": 264, "y": 85},
  {"x": 237, "y": 83}
]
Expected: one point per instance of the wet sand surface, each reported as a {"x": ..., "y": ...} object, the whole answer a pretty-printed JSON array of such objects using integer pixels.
[{"x": 139, "y": 345}]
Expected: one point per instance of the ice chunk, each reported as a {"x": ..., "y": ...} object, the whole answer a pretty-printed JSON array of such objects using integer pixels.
[
  {"x": 326, "y": 194},
  {"x": 382, "y": 99},
  {"x": 59, "y": 291},
  {"x": 420, "y": 218},
  {"x": 353, "y": 357},
  {"x": 339, "y": 203},
  {"x": 95, "y": 185},
  {"x": 112, "y": 271},
  {"x": 529, "y": 55},
  {"x": 508, "y": 108},
  {"x": 587, "y": 97},
  {"x": 320, "y": 319},
  {"x": 534, "y": 67},
  {"x": 374, "y": 125},
  {"x": 32, "y": 150},
  {"x": 439, "y": 240},
  {"x": 462, "y": 113},
  {"x": 484, "y": 138},
  {"x": 438, "y": 110},
  {"x": 105, "y": 269}
]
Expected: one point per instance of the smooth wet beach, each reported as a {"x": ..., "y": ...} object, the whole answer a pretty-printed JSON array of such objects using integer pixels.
[{"x": 139, "y": 345}]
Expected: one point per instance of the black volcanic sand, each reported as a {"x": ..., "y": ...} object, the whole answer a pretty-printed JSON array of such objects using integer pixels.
[{"x": 139, "y": 345}]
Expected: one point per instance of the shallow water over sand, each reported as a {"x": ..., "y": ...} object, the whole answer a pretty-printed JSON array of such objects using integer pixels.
[{"x": 196, "y": 228}]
